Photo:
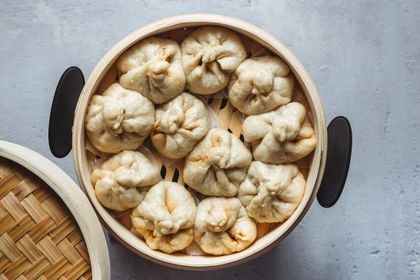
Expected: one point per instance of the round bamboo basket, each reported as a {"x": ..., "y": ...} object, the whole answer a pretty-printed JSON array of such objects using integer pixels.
[
  {"x": 48, "y": 230},
  {"x": 257, "y": 41}
]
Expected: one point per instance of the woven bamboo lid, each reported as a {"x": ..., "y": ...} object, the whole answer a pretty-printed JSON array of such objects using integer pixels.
[{"x": 48, "y": 230}]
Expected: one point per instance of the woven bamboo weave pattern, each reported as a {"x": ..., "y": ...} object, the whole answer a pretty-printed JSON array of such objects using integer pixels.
[{"x": 39, "y": 239}]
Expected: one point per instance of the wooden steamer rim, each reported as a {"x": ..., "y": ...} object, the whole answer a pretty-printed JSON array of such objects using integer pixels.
[
  {"x": 72, "y": 197},
  {"x": 317, "y": 166}
]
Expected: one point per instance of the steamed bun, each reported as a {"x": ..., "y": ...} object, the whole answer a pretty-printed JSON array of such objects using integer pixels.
[
  {"x": 270, "y": 192},
  {"x": 165, "y": 218},
  {"x": 121, "y": 181},
  {"x": 222, "y": 226},
  {"x": 119, "y": 119},
  {"x": 261, "y": 84},
  {"x": 217, "y": 165},
  {"x": 153, "y": 67},
  {"x": 209, "y": 55},
  {"x": 280, "y": 136},
  {"x": 179, "y": 125}
]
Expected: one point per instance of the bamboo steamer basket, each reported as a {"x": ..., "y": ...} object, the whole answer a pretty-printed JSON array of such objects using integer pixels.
[
  {"x": 176, "y": 28},
  {"x": 48, "y": 230}
]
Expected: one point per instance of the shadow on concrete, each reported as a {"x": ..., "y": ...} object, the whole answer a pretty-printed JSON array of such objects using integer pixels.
[{"x": 282, "y": 261}]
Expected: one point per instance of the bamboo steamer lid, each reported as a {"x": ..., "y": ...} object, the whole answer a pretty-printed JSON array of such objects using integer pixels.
[{"x": 48, "y": 229}]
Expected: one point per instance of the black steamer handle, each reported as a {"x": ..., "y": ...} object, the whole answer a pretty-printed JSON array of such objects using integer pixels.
[
  {"x": 338, "y": 161},
  {"x": 62, "y": 111}
]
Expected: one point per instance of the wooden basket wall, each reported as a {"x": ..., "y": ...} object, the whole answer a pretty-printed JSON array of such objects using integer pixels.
[{"x": 39, "y": 238}]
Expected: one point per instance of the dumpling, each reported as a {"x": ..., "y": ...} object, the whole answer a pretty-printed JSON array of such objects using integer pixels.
[
  {"x": 179, "y": 125},
  {"x": 222, "y": 226},
  {"x": 153, "y": 67},
  {"x": 270, "y": 192},
  {"x": 261, "y": 84},
  {"x": 119, "y": 119},
  {"x": 217, "y": 165},
  {"x": 165, "y": 218},
  {"x": 280, "y": 136},
  {"x": 209, "y": 55},
  {"x": 121, "y": 181}
]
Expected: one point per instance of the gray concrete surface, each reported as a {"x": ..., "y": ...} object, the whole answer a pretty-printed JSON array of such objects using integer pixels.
[{"x": 365, "y": 59}]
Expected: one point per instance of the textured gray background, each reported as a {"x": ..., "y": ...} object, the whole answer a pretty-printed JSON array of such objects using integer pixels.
[{"x": 364, "y": 57}]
